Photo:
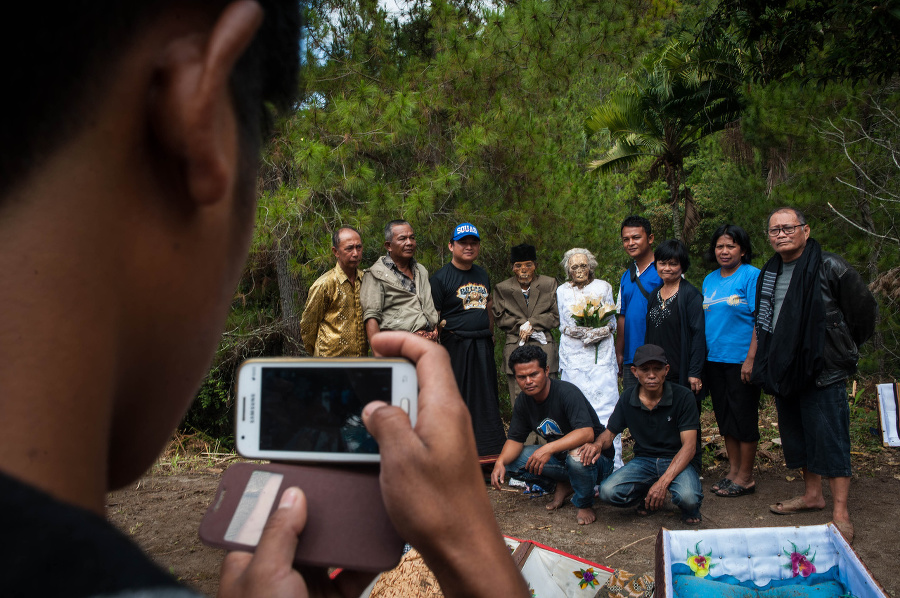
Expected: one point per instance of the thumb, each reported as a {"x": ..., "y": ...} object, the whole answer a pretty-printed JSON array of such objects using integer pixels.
[
  {"x": 279, "y": 539},
  {"x": 242, "y": 572},
  {"x": 389, "y": 426}
]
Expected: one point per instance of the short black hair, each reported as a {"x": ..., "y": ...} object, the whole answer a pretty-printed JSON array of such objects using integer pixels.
[
  {"x": 738, "y": 234},
  {"x": 60, "y": 58},
  {"x": 800, "y": 216},
  {"x": 527, "y": 354},
  {"x": 336, "y": 235},
  {"x": 673, "y": 249},
  {"x": 389, "y": 229},
  {"x": 635, "y": 221}
]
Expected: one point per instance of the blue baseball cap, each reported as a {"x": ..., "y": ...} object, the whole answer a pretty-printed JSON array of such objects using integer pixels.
[{"x": 465, "y": 229}]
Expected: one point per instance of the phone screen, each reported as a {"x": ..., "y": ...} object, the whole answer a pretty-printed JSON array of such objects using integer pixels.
[{"x": 319, "y": 409}]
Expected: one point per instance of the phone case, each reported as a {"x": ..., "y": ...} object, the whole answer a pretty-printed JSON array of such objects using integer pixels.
[{"x": 347, "y": 524}]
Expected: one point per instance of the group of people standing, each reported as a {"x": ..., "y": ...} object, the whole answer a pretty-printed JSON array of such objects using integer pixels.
[
  {"x": 669, "y": 342},
  {"x": 452, "y": 306}
]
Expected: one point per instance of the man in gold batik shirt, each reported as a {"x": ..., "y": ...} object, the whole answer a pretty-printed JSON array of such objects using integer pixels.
[{"x": 332, "y": 324}]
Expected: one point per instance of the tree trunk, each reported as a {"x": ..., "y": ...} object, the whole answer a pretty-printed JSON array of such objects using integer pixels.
[
  {"x": 289, "y": 293},
  {"x": 673, "y": 180}
]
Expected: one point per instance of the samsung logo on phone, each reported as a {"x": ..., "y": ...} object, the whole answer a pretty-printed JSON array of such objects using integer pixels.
[{"x": 252, "y": 408}]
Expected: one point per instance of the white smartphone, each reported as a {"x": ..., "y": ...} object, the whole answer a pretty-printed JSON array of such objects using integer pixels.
[{"x": 296, "y": 409}]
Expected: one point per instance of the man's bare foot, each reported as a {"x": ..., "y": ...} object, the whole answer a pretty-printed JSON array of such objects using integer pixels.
[
  {"x": 585, "y": 516},
  {"x": 563, "y": 489}
]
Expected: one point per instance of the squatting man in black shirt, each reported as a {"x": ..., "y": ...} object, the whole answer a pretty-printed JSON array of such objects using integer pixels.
[{"x": 558, "y": 412}]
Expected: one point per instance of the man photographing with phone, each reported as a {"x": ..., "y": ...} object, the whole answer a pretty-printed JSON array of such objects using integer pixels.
[{"x": 127, "y": 177}]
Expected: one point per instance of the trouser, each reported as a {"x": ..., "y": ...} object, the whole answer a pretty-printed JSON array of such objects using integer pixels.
[
  {"x": 628, "y": 485},
  {"x": 583, "y": 478}
]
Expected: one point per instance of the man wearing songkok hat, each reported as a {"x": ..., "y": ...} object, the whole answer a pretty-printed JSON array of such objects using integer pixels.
[{"x": 525, "y": 309}]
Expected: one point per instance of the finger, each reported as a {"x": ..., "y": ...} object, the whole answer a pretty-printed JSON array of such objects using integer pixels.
[
  {"x": 426, "y": 356},
  {"x": 233, "y": 566},
  {"x": 390, "y": 427},
  {"x": 279, "y": 538},
  {"x": 435, "y": 376}
]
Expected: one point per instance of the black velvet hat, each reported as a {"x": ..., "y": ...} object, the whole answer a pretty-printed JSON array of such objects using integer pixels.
[{"x": 523, "y": 253}]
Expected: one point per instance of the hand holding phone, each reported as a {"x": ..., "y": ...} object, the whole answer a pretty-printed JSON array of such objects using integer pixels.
[
  {"x": 431, "y": 481},
  {"x": 270, "y": 569},
  {"x": 432, "y": 488},
  {"x": 310, "y": 410}
]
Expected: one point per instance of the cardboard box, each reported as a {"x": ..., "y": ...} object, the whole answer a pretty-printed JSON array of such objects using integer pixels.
[{"x": 761, "y": 556}]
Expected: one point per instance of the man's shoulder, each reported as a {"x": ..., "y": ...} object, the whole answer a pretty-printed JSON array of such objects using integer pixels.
[
  {"x": 508, "y": 285},
  {"x": 41, "y": 529},
  {"x": 477, "y": 271},
  {"x": 565, "y": 390},
  {"x": 547, "y": 282},
  {"x": 442, "y": 272},
  {"x": 681, "y": 396},
  {"x": 679, "y": 392},
  {"x": 376, "y": 267},
  {"x": 378, "y": 272},
  {"x": 835, "y": 264},
  {"x": 328, "y": 278}
]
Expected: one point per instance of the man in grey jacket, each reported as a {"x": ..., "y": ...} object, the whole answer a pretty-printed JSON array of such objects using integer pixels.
[
  {"x": 395, "y": 293},
  {"x": 813, "y": 312}
]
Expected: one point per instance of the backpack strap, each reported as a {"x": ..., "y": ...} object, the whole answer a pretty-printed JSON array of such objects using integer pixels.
[{"x": 632, "y": 270}]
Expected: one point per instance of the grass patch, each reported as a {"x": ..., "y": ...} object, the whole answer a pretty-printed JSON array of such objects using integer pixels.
[{"x": 193, "y": 451}]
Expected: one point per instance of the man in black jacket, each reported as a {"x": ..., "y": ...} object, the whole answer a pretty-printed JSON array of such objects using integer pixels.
[{"x": 813, "y": 312}]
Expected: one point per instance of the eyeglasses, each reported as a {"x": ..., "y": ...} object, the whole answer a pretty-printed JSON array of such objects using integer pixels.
[
  {"x": 579, "y": 267},
  {"x": 787, "y": 229}
]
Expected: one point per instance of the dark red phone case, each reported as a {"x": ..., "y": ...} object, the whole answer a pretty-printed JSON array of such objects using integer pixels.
[{"x": 347, "y": 525}]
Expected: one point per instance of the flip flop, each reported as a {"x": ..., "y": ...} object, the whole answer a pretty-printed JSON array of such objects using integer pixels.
[
  {"x": 732, "y": 490},
  {"x": 791, "y": 506},
  {"x": 720, "y": 484},
  {"x": 846, "y": 529},
  {"x": 642, "y": 510}
]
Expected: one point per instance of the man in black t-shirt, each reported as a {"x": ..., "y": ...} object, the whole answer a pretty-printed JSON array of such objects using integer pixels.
[
  {"x": 663, "y": 420},
  {"x": 462, "y": 297},
  {"x": 558, "y": 412}
]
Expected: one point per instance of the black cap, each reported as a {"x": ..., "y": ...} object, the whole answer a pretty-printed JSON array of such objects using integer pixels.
[
  {"x": 523, "y": 253},
  {"x": 647, "y": 353}
]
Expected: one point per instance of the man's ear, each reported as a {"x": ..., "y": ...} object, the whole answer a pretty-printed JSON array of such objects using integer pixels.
[{"x": 193, "y": 114}]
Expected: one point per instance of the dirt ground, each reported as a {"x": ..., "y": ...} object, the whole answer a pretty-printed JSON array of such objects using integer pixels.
[{"x": 162, "y": 512}]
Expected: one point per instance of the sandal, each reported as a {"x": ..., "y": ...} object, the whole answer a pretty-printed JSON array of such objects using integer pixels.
[
  {"x": 732, "y": 490},
  {"x": 791, "y": 506},
  {"x": 718, "y": 485}
]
